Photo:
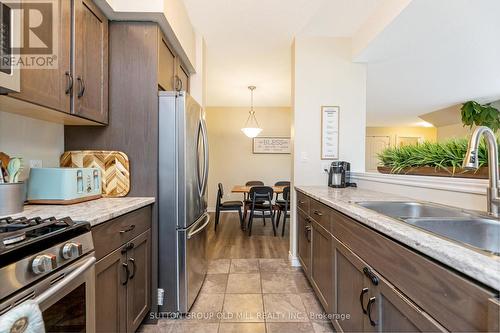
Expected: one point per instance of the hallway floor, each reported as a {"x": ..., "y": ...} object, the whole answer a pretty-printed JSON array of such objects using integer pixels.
[{"x": 243, "y": 294}]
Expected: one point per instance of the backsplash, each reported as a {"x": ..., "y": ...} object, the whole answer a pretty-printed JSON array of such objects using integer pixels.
[{"x": 31, "y": 139}]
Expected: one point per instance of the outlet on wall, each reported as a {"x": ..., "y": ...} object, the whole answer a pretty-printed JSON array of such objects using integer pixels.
[
  {"x": 325, "y": 166},
  {"x": 36, "y": 164}
]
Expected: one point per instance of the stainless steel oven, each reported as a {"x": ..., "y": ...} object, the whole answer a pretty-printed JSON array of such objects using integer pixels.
[{"x": 66, "y": 298}]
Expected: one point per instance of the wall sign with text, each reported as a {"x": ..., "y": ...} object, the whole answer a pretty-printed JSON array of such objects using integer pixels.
[
  {"x": 330, "y": 132},
  {"x": 271, "y": 145}
]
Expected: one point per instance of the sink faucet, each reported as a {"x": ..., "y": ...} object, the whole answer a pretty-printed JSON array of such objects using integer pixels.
[{"x": 471, "y": 161}]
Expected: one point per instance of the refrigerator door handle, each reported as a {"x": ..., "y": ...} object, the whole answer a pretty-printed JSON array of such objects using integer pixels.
[
  {"x": 193, "y": 233},
  {"x": 206, "y": 156},
  {"x": 200, "y": 175}
]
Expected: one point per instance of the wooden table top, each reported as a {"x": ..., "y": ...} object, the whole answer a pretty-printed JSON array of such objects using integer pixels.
[{"x": 246, "y": 189}]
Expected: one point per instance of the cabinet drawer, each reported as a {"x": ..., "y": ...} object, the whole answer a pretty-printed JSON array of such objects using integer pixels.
[
  {"x": 303, "y": 202},
  {"x": 455, "y": 302},
  {"x": 321, "y": 214},
  {"x": 110, "y": 235}
]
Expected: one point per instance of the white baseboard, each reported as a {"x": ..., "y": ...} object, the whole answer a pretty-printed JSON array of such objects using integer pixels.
[{"x": 294, "y": 261}]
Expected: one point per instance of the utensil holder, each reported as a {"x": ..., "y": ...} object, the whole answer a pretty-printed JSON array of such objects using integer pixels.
[{"x": 11, "y": 198}]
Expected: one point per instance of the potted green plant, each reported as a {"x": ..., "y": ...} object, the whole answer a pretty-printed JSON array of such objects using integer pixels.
[
  {"x": 477, "y": 114},
  {"x": 443, "y": 158}
]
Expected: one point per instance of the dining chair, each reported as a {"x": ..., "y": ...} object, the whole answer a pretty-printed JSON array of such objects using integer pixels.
[
  {"x": 245, "y": 196},
  {"x": 283, "y": 207},
  {"x": 261, "y": 198},
  {"x": 226, "y": 206},
  {"x": 281, "y": 183}
]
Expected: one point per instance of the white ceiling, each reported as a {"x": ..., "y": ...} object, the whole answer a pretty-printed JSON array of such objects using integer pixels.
[
  {"x": 433, "y": 55},
  {"x": 249, "y": 42}
]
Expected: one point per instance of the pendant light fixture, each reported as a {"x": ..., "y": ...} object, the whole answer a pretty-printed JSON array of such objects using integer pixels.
[{"x": 251, "y": 128}]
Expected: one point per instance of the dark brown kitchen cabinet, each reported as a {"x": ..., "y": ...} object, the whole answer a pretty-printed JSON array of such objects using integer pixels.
[
  {"x": 171, "y": 73},
  {"x": 123, "y": 271},
  {"x": 182, "y": 78},
  {"x": 351, "y": 289},
  {"x": 78, "y": 86},
  {"x": 111, "y": 293},
  {"x": 91, "y": 62},
  {"x": 322, "y": 276},
  {"x": 382, "y": 285},
  {"x": 51, "y": 87},
  {"x": 138, "y": 286},
  {"x": 166, "y": 64},
  {"x": 374, "y": 304},
  {"x": 304, "y": 241}
]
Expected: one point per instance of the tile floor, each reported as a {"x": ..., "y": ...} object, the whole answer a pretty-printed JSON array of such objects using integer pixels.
[{"x": 251, "y": 295}]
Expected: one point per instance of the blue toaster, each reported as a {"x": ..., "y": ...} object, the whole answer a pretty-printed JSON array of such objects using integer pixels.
[{"x": 63, "y": 185}]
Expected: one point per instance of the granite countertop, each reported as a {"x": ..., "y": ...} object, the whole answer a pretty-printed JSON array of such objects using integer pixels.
[
  {"x": 478, "y": 265},
  {"x": 95, "y": 211}
]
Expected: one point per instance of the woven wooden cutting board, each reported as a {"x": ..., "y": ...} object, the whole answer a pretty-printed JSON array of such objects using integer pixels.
[{"x": 114, "y": 166}]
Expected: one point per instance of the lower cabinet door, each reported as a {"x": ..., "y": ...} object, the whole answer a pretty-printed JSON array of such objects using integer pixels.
[
  {"x": 351, "y": 290},
  {"x": 139, "y": 282},
  {"x": 322, "y": 276},
  {"x": 111, "y": 293},
  {"x": 390, "y": 311},
  {"x": 304, "y": 241}
]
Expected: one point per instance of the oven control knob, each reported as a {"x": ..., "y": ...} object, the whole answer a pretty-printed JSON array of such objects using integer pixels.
[
  {"x": 44, "y": 263},
  {"x": 71, "y": 250}
]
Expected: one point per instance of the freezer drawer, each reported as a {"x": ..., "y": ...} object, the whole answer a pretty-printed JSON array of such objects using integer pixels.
[{"x": 193, "y": 263}]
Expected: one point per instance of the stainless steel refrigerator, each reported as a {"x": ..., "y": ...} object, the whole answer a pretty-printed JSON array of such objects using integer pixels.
[{"x": 182, "y": 200}]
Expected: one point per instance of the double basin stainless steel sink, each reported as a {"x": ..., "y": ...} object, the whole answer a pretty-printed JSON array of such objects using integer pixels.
[{"x": 474, "y": 230}]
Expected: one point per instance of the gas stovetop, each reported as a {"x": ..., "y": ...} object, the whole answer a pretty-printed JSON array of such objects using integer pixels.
[
  {"x": 32, "y": 248},
  {"x": 22, "y": 236}
]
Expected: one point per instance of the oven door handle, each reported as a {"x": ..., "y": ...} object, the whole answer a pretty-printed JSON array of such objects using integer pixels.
[{"x": 65, "y": 281}]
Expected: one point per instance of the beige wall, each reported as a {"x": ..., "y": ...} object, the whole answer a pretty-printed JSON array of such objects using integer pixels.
[
  {"x": 427, "y": 133},
  {"x": 452, "y": 131},
  {"x": 231, "y": 158},
  {"x": 31, "y": 139}
]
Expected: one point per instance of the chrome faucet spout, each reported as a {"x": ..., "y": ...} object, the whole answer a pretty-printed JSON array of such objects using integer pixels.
[{"x": 471, "y": 161}]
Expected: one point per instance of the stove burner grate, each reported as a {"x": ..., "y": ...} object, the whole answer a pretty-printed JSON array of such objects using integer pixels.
[{"x": 16, "y": 230}]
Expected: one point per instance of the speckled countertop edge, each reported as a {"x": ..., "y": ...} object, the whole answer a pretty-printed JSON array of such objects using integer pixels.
[
  {"x": 95, "y": 211},
  {"x": 478, "y": 266}
]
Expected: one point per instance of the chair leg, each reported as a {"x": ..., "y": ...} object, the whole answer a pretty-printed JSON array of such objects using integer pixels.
[
  {"x": 272, "y": 222},
  {"x": 263, "y": 219},
  {"x": 250, "y": 220},
  {"x": 217, "y": 215},
  {"x": 278, "y": 217},
  {"x": 242, "y": 226},
  {"x": 284, "y": 222}
]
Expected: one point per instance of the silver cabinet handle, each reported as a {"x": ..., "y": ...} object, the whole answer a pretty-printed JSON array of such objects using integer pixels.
[
  {"x": 81, "y": 91},
  {"x": 69, "y": 85}
]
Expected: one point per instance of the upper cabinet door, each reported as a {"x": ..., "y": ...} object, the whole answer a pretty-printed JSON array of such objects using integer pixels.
[
  {"x": 166, "y": 65},
  {"x": 90, "y": 93},
  {"x": 52, "y": 87},
  {"x": 182, "y": 79}
]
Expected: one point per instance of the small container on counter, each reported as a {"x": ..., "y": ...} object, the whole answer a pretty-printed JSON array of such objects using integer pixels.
[{"x": 12, "y": 196}]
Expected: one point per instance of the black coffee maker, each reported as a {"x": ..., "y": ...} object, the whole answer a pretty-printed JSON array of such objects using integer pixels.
[{"x": 339, "y": 175}]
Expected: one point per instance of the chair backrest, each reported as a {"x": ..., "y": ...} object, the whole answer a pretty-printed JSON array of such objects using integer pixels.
[
  {"x": 254, "y": 183},
  {"x": 220, "y": 193},
  {"x": 282, "y": 183},
  {"x": 286, "y": 193},
  {"x": 261, "y": 192}
]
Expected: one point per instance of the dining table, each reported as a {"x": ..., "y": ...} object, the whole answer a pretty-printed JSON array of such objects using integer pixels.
[{"x": 245, "y": 189}]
